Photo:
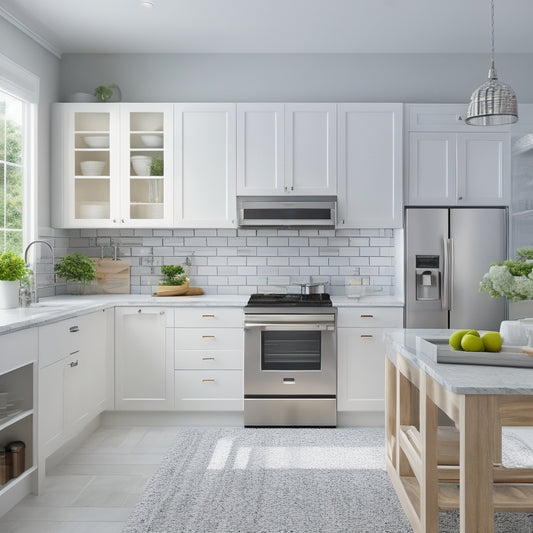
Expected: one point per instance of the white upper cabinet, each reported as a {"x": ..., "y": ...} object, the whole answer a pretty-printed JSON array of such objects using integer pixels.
[
  {"x": 286, "y": 149},
  {"x": 112, "y": 165},
  {"x": 451, "y": 163},
  {"x": 370, "y": 165},
  {"x": 205, "y": 165}
]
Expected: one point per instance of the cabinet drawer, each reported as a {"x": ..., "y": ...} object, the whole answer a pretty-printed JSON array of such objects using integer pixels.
[
  {"x": 209, "y": 317},
  {"x": 214, "y": 390},
  {"x": 207, "y": 338},
  {"x": 59, "y": 340},
  {"x": 372, "y": 317},
  {"x": 17, "y": 348},
  {"x": 208, "y": 359}
]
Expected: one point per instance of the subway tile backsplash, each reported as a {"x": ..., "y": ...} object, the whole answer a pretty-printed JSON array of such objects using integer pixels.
[{"x": 245, "y": 261}]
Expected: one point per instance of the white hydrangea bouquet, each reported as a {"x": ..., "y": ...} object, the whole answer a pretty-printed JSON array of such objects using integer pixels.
[{"x": 512, "y": 278}]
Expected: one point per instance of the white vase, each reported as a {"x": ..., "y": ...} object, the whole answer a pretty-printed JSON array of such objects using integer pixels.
[{"x": 9, "y": 294}]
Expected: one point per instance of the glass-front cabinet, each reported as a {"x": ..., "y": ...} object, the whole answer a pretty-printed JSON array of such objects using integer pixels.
[{"x": 112, "y": 165}]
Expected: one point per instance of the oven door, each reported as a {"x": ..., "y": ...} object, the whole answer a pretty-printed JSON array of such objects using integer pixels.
[{"x": 290, "y": 355}]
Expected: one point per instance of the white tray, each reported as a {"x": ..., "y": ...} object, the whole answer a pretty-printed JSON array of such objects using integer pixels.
[{"x": 440, "y": 351}]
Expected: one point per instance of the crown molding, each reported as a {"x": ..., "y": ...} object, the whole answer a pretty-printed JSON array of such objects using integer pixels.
[{"x": 39, "y": 39}]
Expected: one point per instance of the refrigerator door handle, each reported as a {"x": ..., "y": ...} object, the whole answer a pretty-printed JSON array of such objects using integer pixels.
[
  {"x": 451, "y": 268},
  {"x": 446, "y": 274}
]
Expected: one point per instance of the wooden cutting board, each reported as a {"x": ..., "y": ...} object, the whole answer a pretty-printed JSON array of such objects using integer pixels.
[{"x": 113, "y": 276}]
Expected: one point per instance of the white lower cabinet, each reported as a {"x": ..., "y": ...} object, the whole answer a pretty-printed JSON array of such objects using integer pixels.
[
  {"x": 144, "y": 378},
  {"x": 208, "y": 359},
  {"x": 73, "y": 388},
  {"x": 361, "y": 356}
]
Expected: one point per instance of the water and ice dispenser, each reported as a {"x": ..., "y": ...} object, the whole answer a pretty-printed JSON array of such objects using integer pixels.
[{"x": 427, "y": 277}]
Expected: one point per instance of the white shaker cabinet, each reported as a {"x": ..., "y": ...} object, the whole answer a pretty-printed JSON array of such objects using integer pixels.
[
  {"x": 451, "y": 163},
  {"x": 143, "y": 358},
  {"x": 286, "y": 149},
  {"x": 370, "y": 165},
  {"x": 112, "y": 165},
  {"x": 205, "y": 162},
  {"x": 74, "y": 358},
  {"x": 361, "y": 356},
  {"x": 208, "y": 359}
]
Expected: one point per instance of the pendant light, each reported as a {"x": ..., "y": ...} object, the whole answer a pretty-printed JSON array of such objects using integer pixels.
[{"x": 493, "y": 103}]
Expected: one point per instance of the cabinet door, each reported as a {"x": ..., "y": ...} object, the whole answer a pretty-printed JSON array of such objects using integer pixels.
[
  {"x": 432, "y": 171},
  {"x": 147, "y": 165},
  {"x": 260, "y": 149},
  {"x": 370, "y": 165},
  {"x": 51, "y": 404},
  {"x": 205, "y": 165},
  {"x": 143, "y": 359},
  {"x": 86, "y": 165},
  {"x": 76, "y": 392},
  {"x": 361, "y": 369},
  {"x": 484, "y": 168},
  {"x": 94, "y": 333},
  {"x": 310, "y": 149}
]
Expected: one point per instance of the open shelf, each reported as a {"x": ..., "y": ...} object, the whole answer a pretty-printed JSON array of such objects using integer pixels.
[{"x": 13, "y": 419}]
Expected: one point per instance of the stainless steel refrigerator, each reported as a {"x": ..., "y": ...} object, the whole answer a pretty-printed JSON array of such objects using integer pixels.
[{"x": 447, "y": 252}]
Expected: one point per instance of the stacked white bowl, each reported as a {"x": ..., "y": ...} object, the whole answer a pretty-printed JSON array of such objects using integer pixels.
[
  {"x": 92, "y": 168},
  {"x": 97, "y": 141},
  {"x": 141, "y": 164},
  {"x": 152, "y": 141}
]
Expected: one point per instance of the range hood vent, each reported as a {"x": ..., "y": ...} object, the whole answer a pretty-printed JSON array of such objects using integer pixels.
[{"x": 299, "y": 211}]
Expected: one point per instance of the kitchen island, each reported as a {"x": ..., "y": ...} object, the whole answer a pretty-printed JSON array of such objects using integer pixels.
[{"x": 456, "y": 466}]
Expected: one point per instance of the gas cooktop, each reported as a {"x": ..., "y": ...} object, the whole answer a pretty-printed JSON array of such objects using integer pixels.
[{"x": 291, "y": 299}]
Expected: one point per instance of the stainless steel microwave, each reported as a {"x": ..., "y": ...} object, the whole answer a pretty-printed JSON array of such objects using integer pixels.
[{"x": 313, "y": 211}]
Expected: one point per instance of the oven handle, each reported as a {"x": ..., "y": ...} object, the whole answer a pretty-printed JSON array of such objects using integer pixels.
[{"x": 291, "y": 327}]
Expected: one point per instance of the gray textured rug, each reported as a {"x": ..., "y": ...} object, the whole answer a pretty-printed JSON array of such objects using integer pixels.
[{"x": 238, "y": 480}]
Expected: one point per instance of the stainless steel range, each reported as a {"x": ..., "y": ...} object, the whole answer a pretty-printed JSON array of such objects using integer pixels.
[{"x": 290, "y": 360}]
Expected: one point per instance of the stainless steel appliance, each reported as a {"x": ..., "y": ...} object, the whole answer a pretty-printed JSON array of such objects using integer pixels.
[
  {"x": 298, "y": 211},
  {"x": 447, "y": 252},
  {"x": 290, "y": 360}
]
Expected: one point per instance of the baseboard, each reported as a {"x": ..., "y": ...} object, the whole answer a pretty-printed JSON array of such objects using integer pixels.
[
  {"x": 360, "y": 418},
  {"x": 172, "y": 418}
]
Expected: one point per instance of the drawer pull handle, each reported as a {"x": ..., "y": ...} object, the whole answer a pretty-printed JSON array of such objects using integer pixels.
[
  {"x": 208, "y": 358},
  {"x": 208, "y": 380},
  {"x": 74, "y": 329},
  {"x": 74, "y": 363},
  {"x": 74, "y": 352},
  {"x": 208, "y": 336},
  {"x": 366, "y": 336},
  {"x": 367, "y": 316},
  {"x": 208, "y": 316}
]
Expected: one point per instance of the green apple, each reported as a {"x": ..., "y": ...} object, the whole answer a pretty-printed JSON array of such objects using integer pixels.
[
  {"x": 455, "y": 338},
  {"x": 473, "y": 332},
  {"x": 472, "y": 343},
  {"x": 493, "y": 341}
]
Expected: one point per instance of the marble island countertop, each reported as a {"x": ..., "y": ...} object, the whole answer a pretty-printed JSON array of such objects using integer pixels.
[
  {"x": 57, "y": 308},
  {"x": 458, "y": 378}
]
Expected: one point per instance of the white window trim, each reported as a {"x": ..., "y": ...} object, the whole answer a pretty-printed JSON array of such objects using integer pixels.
[{"x": 23, "y": 84}]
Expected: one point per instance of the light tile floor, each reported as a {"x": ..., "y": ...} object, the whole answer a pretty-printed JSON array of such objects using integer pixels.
[{"x": 95, "y": 488}]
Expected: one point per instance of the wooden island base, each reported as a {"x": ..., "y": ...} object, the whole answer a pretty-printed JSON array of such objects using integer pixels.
[{"x": 436, "y": 467}]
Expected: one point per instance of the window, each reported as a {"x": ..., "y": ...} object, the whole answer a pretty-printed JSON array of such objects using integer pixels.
[
  {"x": 11, "y": 173},
  {"x": 19, "y": 95}
]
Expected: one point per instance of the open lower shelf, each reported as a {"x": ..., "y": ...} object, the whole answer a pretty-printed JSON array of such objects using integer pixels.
[
  {"x": 16, "y": 480},
  {"x": 13, "y": 419}
]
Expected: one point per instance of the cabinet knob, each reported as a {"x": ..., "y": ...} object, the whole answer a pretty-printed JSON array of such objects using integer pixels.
[
  {"x": 74, "y": 363},
  {"x": 460, "y": 198},
  {"x": 114, "y": 221},
  {"x": 122, "y": 220},
  {"x": 139, "y": 310},
  {"x": 292, "y": 188},
  {"x": 161, "y": 312},
  {"x": 459, "y": 118}
]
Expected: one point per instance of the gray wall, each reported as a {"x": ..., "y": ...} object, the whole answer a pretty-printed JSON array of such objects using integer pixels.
[
  {"x": 409, "y": 78},
  {"x": 28, "y": 54}
]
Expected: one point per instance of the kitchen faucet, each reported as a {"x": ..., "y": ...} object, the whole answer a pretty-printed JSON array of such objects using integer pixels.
[{"x": 34, "y": 297}]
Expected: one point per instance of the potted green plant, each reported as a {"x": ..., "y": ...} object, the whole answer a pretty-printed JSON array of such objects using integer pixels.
[
  {"x": 104, "y": 93},
  {"x": 77, "y": 268},
  {"x": 12, "y": 270},
  {"x": 174, "y": 281}
]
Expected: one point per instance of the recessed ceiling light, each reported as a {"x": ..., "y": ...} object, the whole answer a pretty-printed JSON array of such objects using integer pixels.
[{"x": 146, "y": 3}]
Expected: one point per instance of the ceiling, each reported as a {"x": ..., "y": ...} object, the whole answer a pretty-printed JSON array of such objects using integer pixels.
[{"x": 273, "y": 26}]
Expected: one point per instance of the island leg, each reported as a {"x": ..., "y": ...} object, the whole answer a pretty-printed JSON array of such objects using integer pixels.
[{"x": 477, "y": 420}]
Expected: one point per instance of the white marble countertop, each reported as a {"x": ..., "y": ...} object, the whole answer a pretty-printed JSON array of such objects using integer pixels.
[
  {"x": 61, "y": 307},
  {"x": 461, "y": 379}
]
